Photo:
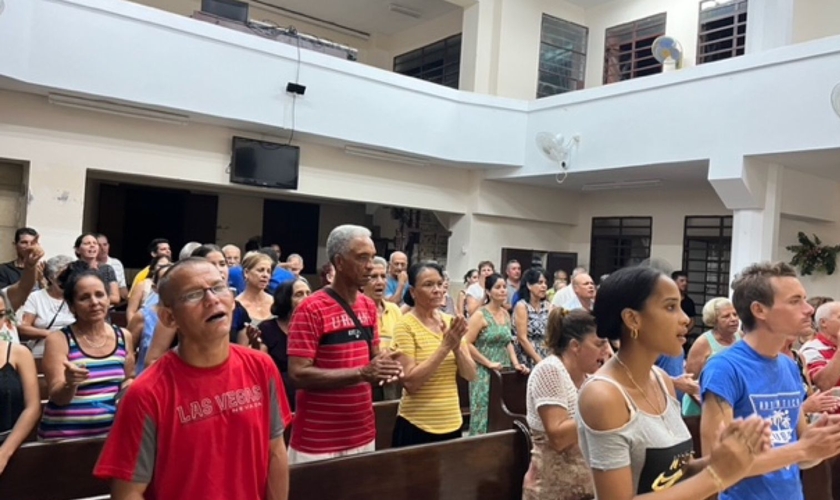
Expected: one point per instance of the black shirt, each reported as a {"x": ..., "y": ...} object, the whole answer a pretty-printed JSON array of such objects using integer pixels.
[
  {"x": 9, "y": 274},
  {"x": 688, "y": 307},
  {"x": 276, "y": 340}
]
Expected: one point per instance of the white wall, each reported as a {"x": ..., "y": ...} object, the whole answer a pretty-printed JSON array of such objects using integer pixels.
[
  {"x": 814, "y": 19},
  {"x": 519, "y": 43},
  {"x": 333, "y": 215},
  {"x": 668, "y": 209},
  {"x": 818, "y": 283},
  {"x": 491, "y": 234}
]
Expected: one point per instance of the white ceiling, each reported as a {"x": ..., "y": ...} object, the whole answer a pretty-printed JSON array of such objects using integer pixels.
[
  {"x": 672, "y": 176},
  {"x": 369, "y": 16},
  {"x": 822, "y": 163},
  {"x": 588, "y": 3}
]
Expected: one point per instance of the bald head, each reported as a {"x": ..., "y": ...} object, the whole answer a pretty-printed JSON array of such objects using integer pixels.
[
  {"x": 397, "y": 263},
  {"x": 583, "y": 286},
  {"x": 170, "y": 286}
]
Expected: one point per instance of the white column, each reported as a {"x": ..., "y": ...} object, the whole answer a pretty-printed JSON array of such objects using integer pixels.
[
  {"x": 769, "y": 24},
  {"x": 479, "y": 45},
  {"x": 755, "y": 232}
]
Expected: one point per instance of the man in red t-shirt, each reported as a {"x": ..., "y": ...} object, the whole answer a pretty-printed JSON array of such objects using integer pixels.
[
  {"x": 206, "y": 421},
  {"x": 334, "y": 356},
  {"x": 819, "y": 353}
]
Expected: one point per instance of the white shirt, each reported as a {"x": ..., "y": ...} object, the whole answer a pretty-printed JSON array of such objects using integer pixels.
[
  {"x": 564, "y": 296},
  {"x": 119, "y": 270},
  {"x": 45, "y": 308}
]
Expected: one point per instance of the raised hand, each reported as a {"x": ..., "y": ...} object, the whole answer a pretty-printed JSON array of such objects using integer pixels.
[
  {"x": 74, "y": 375},
  {"x": 735, "y": 451},
  {"x": 822, "y": 439},
  {"x": 383, "y": 368},
  {"x": 454, "y": 332},
  {"x": 253, "y": 334},
  {"x": 33, "y": 254}
]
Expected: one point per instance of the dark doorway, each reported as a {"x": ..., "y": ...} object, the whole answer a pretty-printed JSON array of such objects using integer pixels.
[
  {"x": 132, "y": 215},
  {"x": 293, "y": 226}
]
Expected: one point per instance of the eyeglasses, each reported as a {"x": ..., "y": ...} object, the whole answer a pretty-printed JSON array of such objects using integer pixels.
[{"x": 196, "y": 296}]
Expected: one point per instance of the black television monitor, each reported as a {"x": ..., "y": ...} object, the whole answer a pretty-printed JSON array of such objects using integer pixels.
[
  {"x": 266, "y": 164},
  {"x": 228, "y": 9}
]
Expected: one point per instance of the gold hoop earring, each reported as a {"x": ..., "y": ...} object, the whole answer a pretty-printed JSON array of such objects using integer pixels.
[{"x": 634, "y": 334}]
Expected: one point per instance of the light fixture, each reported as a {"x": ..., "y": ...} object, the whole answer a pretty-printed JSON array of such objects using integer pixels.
[
  {"x": 406, "y": 11},
  {"x": 118, "y": 109},
  {"x": 609, "y": 186},
  {"x": 379, "y": 154}
]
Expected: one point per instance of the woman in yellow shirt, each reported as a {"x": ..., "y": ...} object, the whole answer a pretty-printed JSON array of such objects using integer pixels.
[{"x": 432, "y": 354}]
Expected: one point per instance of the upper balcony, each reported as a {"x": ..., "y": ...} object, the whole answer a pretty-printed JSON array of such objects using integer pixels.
[{"x": 761, "y": 104}]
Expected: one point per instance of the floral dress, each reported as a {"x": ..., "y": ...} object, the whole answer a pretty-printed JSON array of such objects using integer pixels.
[
  {"x": 492, "y": 343},
  {"x": 537, "y": 321}
]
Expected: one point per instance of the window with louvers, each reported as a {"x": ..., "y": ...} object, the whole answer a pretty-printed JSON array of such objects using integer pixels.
[
  {"x": 439, "y": 62},
  {"x": 627, "y": 49},
  {"x": 618, "y": 242},
  {"x": 562, "y": 56},
  {"x": 707, "y": 248},
  {"x": 723, "y": 30}
]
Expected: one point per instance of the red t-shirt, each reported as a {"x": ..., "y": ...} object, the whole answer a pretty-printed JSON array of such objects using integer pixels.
[
  {"x": 817, "y": 353},
  {"x": 333, "y": 420},
  {"x": 192, "y": 432}
]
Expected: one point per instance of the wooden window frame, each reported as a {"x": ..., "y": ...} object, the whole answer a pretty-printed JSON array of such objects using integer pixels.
[{"x": 612, "y": 60}]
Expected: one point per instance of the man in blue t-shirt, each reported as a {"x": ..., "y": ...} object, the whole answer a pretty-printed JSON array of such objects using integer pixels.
[{"x": 753, "y": 377}]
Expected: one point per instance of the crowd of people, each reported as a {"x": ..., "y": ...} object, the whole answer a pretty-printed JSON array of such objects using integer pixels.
[{"x": 225, "y": 349}]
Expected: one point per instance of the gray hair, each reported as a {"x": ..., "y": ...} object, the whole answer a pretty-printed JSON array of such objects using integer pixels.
[
  {"x": 712, "y": 309},
  {"x": 188, "y": 249},
  {"x": 338, "y": 242},
  {"x": 294, "y": 256},
  {"x": 232, "y": 247},
  {"x": 380, "y": 261},
  {"x": 823, "y": 312},
  {"x": 54, "y": 265}
]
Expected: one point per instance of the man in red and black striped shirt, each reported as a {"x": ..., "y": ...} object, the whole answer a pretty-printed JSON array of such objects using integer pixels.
[{"x": 334, "y": 356}]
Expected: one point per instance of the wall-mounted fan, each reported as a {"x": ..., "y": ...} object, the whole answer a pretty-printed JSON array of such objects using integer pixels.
[
  {"x": 669, "y": 52},
  {"x": 556, "y": 148}
]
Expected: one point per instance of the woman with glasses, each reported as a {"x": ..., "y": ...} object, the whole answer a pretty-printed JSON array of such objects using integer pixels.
[
  {"x": 45, "y": 310},
  {"x": 20, "y": 404},
  {"x": 86, "y": 364}
]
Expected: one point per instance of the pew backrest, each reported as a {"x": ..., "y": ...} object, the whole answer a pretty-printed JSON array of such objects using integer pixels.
[
  {"x": 508, "y": 391},
  {"x": 487, "y": 467},
  {"x": 53, "y": 471}
]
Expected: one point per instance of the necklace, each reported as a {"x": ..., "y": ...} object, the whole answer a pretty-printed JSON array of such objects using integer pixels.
[
  {"x": 91, "y": 344},
  {"x": 644, "y": 395}
]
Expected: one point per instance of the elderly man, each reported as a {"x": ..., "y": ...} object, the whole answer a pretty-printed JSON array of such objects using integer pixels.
[
  {"x": 397, "y": 277},
  {"x": 334, "y": 356},
  {"x": 567, "y": 293},
  {"x": 819, "y": 353},
  {"x": 513, "y": 273},
  {"x": 388, "y": 313},
  {"x": 222, "y": 404},
  {"x": 294, "y": 264},
  {"x": 233, "y": 256},
  {"x": 584, "y": 293}
]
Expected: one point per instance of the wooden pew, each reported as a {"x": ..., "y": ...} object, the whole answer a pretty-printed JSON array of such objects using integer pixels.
[
  {"x": 464, "y": 400},
  {"x": 385, "y": 413},
  {"x": 489, "y": 467},
  {"x": 507, "y": 400},
  {"x": 53, "y": 471}
]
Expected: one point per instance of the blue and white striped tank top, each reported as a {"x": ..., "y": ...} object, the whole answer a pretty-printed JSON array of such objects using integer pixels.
[{"x": 91, "y": 412}]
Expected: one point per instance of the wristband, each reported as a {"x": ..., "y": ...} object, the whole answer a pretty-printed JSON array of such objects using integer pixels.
[{"x": 716, "y": 478}]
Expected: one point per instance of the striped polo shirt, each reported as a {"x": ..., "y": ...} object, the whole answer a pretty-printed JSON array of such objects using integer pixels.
[
  {"x": 91, "y": 412},
  {"x": 333, "y": 420},
  {"x": 435, "y": 407}
]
